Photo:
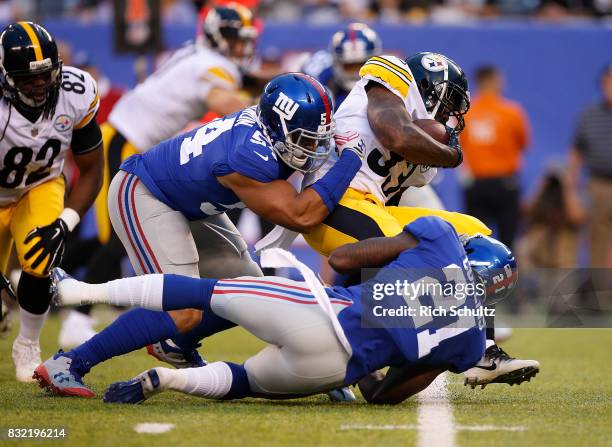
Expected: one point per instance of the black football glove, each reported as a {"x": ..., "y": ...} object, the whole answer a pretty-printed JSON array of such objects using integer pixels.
[
  {"x": 52, "y": 243},
  {"x": 453, "y": 142}
]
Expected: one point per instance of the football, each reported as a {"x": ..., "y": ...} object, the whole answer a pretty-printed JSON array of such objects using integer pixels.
[{"x": 434, "y": 129}]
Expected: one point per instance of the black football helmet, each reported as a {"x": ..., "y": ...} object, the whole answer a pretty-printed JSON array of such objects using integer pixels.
[
  {"x": 226, "y": 26},
  {"x": 443, "y": 86},
  {"x": 30, "y": 67}
]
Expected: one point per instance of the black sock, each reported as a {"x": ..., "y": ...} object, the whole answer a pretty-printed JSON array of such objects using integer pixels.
[{"x": 34, "y": 293}]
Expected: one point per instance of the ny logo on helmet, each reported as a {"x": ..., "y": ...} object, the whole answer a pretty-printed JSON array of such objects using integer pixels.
[{"x": 285, "y": 107}]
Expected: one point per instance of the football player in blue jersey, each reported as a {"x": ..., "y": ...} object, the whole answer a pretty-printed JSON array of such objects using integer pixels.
[
  {"x": 338, "y": 67},
  {"x": 240, "y": 160},
  {"x": 312, "y": 349}
]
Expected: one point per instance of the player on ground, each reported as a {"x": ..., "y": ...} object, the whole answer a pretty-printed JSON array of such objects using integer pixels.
[
  {"x": 313, "y": 348},
  {"x": 45, "y": 110},
  {"x": 338, "y": 67},
  {"x": 202, "y": 76},
  {"x": 240, "y": 160},
  {"x": 390, "y": 95}
]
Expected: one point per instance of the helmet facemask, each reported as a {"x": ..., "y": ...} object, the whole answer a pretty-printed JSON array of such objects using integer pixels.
[
  {"x": 452, "y": 102},
  {"x": 305, "y": 150}
]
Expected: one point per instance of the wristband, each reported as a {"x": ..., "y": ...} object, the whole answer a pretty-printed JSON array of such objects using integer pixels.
[
  {"x": 70, "y": 217},
  {"x": 332, "y": 186}
]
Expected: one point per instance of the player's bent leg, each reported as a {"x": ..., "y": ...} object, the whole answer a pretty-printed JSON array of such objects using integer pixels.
[
  {"x": 156, "y": 238},
  {"x": 39, "y": 207},
  {"x": 358, "y": 216},
  {"x": 222, "y": 250},
  {"x": 463, "y": 223}
]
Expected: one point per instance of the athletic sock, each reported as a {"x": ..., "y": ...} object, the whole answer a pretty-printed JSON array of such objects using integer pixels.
[
  {"x": 30, "y": 325},
  {"x": 182, "y": 292},
  {"x": 134, "y": 329},
  {"x": 34, "y": 296},
  {"x": 218, "y": 380}
]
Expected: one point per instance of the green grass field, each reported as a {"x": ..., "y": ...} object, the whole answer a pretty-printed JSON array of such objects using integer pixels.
[{"x": 567, "y": 404}]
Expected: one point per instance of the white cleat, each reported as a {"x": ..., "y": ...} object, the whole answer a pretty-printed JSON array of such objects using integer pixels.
[
  {"x": 26, "y": 356},
  {"x": 77, "y": 328},
  {"x": 67, "y": 290},
  {"x": 496, "y": 366}
]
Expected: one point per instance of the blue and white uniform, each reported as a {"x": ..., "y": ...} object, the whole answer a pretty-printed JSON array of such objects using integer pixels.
[
  {"x": 305, "y": 355},
  {"x": 157, "y": 193},
  {"x": 182, "y": 172}
]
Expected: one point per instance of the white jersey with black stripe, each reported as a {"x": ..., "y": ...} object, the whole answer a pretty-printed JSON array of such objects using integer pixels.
[
  {"x": 33, "y": 152},
  {"x": 383, "y": 173}
]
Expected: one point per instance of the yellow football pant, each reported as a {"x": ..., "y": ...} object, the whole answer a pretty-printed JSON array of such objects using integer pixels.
[
  {"x": 361, "y": 215},
  {"x": 40, "y": 206},
  {"x": 116, "y": 149}
]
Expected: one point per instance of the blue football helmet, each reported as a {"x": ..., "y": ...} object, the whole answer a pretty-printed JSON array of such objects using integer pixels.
[
  {"x": 351, "y": 48},
  {"x": 494, "y": 265},
  {"x": 296, "y": 112}
]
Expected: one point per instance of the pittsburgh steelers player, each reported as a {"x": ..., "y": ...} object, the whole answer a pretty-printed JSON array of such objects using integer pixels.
[
  {"x": 204, "y": 75},
  {"x": 45, "y": 109},
  {"x": 381, "y": 108}
]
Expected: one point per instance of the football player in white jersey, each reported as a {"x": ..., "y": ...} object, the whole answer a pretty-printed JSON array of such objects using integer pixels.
[
  {"x": 204, "y": 75},
  {"x": 380, "y": 109},
  {"x": 45, "y": 109}
]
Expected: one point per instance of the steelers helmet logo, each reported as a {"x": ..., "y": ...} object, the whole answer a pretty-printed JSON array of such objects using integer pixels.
[{"x": 434, "y": 62}]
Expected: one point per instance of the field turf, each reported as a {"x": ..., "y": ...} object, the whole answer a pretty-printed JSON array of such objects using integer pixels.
[{"x": 568, "y": 404}]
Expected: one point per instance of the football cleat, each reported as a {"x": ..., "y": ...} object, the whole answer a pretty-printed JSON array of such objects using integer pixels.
[
  {"x": 77, "y": 328},
  {"x": 63, "y": 288},
  {"x": 26, "y": 356},
  {"x": 134, "y": 391},
  {"x": 496, "y": 366},
  {"x": 167, "y": 351},
  {"x": 57, "y": 376},
  {"x": 344, "y": 394}
]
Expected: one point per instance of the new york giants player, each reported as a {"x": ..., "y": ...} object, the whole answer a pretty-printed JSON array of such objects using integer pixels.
[
  {"x": 240, "y": 160},
  {"x": 338, "y": 67},
  {"x": 309, "y": 350}
]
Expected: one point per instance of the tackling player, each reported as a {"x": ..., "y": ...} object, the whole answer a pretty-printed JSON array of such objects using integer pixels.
[
  {"x": 236, "y": 161},
  {"x": 45, "y": 110},
  {"x": 311, "y": 349}
]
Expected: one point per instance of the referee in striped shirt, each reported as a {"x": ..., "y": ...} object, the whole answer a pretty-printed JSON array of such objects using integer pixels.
[{"x": 593, "y": 148}]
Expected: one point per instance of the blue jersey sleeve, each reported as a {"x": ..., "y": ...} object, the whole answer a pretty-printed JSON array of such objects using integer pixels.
[{"x": 253, "y": 157}]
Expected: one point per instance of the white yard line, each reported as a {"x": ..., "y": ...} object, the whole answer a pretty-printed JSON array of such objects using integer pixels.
[
  {"x": 153, "y": 427},
  {"x": 436, "y": 425}
]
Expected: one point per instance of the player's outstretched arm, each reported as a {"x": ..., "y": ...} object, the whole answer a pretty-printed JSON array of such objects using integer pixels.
[
  {"x": 370, "y": 253},
  {"x": 279, "y": 202},
  {"x": 395, "y": 130},
  {"x": 397, "y": 385}
]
